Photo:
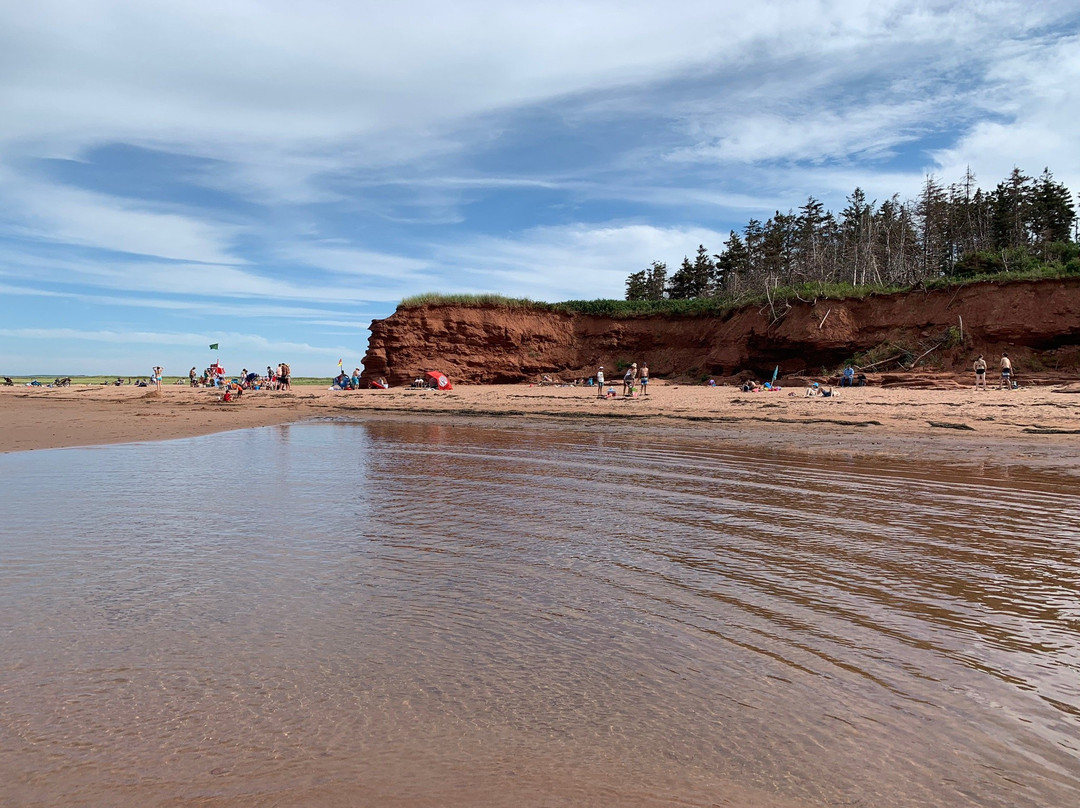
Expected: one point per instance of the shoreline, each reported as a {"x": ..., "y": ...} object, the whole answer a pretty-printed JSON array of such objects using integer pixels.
[{"x": 1031, "y": 426}]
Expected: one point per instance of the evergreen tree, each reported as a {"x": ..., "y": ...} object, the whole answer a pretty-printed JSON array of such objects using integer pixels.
[
  {"x": 704, "y": 273},
  {"x": 682, "y": 285},
  {"x": 1012, "y": 200},
  {"x": 778, "y": 247},
  {"x": 733, "y": 263},
  {"x": 656, "y": 281},
  {"x": 754, "y": 235},
  {"x": 933, "y": 218},
  {"x": 856, "y": 233},
  {"x": 636, "y": 286},
  {"x": 1051, "y": 212},
  {"x": 810, "y": 239}
]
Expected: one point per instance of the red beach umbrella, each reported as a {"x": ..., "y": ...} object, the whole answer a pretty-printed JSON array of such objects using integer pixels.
[{"x": 438, "y": 379}]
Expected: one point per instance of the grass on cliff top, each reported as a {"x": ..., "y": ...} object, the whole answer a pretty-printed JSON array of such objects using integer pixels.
[
  {"x": 631, "y": 308},
  {"x": 723, "y": 305}
]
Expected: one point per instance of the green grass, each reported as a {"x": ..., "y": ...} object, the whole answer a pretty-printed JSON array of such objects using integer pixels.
[
  {"x": 724, "y": 305},
  {"x": 699, "y": 306},
  {"x": 1036, "y": 272},
  {"x": 475, "y": 301}
]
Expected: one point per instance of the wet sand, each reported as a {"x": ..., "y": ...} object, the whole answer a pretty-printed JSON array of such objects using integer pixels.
[{"x": 1039, "y": 425}]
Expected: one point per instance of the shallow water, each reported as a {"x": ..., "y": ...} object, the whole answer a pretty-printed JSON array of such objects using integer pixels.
[{"x": 402, "y": 614}]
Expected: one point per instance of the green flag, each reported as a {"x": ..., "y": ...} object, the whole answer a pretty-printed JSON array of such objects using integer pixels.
[{"x": 213, "y": 347}]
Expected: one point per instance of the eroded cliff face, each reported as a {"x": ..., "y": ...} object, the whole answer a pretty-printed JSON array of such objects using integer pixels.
[{"x": 1037, "y": 322}]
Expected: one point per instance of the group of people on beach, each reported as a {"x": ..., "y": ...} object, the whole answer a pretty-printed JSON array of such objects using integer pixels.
[
  {"x": 343, "y": 381},
  {"x": 276, "y": 378},
  {"x": 634, "y": 379},
  {"x": 1006, "y": 368}
]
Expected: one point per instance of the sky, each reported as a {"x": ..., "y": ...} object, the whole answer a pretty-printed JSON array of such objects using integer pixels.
[{"x": 273, "y": 176}]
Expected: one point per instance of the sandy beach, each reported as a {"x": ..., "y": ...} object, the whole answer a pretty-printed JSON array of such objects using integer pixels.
[{"x": 1039, "y": 425}]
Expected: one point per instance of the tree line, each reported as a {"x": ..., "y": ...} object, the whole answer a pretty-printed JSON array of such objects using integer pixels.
[{"x": 948, "y": 231}]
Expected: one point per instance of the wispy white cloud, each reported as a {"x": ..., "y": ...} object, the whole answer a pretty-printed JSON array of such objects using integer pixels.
[
  {"x": 343, "y": 260},
  {"x": 203, "y": 307},
  {"x": 813, "y": 136},
  {"x": 65, "y": 215},
  {"x": 560, "y": 263},
  {"x": 200, "y": 282}
]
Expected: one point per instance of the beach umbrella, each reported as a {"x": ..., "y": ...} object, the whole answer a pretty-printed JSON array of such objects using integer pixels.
[
  {"x": 438, "y": 379},
  {"x": 775, "y": 373}
]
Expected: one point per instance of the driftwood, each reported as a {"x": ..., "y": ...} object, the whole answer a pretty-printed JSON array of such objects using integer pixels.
[
  {"x": 823, "y": 319},
  {"x": 772, "y": 308},
  {"x": 881, "y": 362},
  {"x": 920, "y": 356},
  {"x": 947, "y": 425}
]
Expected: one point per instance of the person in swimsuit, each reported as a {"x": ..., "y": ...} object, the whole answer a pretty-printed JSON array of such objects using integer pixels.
[
  {"x": 1006, "y": 372},
  {"x": 156, "y": 378},
  {"x": 644, "y": 378},
  {"x": 980, "y": 373}
]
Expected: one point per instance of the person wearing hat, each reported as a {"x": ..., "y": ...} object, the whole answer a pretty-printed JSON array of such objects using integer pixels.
[
  {"x": 628, "y": 379},
  {"x": 813, "y": 390},
  {"x": 600, "y": 382}
]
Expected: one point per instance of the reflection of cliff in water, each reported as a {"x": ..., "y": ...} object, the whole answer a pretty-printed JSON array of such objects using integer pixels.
[{"x": 1036, "y": 321}]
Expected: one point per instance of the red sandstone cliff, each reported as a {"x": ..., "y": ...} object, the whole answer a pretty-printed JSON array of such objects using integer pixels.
[{"x": 1038, "y": 322}]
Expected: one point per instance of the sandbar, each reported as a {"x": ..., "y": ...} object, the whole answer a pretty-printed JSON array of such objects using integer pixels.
[{"x": 1039, "y": 425}]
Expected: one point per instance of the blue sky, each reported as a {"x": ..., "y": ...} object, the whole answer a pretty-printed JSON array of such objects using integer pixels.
[{"x": 271, "y": 176}]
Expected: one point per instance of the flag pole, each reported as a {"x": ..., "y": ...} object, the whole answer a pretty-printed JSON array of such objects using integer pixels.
[{"x": 213, "y": 364}]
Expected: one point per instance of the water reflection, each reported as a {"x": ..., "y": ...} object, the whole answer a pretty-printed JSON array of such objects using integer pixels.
[{"x": 401, "y": 614}]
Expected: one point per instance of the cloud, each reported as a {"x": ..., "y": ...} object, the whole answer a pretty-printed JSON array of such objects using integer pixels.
[
  {"x": 1034, "y": 95},
  {"x": 38, "y": 210},
  {"x": 818, "y": 136},
  {"x": 572, "y": 262},
  {"x": 204, "y": 308},
  {"x": 196, "y": 282}
]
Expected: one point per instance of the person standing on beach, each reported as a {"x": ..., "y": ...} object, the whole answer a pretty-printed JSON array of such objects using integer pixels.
[
  {"x": 156, "y": 378},
  {"x": 285, "y": 374},
  {"x": 600, "y": 382},
  {"x": 1006, "y": 372},
  {"x": 628, "y": 380},
  {"x": 191, "y": 378},
  {"x": 980, "y": 372},
  {"x": 644, "y": 376}
]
